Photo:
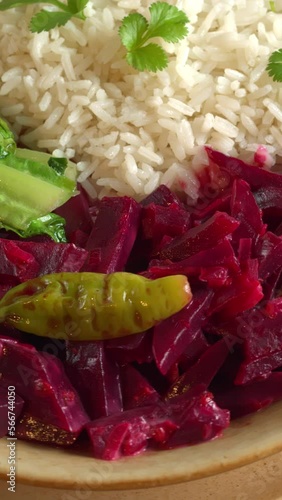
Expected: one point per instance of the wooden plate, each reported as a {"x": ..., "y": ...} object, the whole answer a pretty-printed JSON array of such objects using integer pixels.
[{"x": 246, "y": 441}]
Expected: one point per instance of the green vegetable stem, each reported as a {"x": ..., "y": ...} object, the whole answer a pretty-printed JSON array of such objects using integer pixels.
[
  {"x": 92, "y": 306},
  {"x": 167, "y": 22},
  {"x": 32, "y": 185}
]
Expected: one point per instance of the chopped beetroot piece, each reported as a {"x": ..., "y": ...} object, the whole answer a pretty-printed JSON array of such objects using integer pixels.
[
  {"x": 173, "y": 373},
  {"x": 198, "y": 419},
  {"x": 158, "y": 221},
  {"x": 207, "y": 206},
  {"x": 113, "y": 234},
  {"x": 193, "y": 352},
  {"x": 203, "y": 371},
  {"x": 244, "y": 399},
  {"x": 76, "y": 214},
  {"x": 173, "y": 336},
  {"x": 94, "y": 260},
  {"x": 182, "y": 420},
  {"x": 33, "y": 428},
  {"x": 242, "y": 294},
  {"x": 12, "y": 335},
  {"x": 278, "y": 230},
  {"x": 55, "y": 347},
  {"x": 215, "y": 276},
  {"x": 201, "y": 237},
  {"x": 132, "y": 348},
  {"x": 42, "y": 383},
  {"x": 129, "y": 432},
  {"x": 136, "y": 390},
  {"x": 140, "y": 255},
  {"x": 229, "y": 369},
  {"x": 161, "y": 196},
  {"x": 50, "y": 257},
  {"x": 157, "y": 380},
  {"x": 271, "y": 285},
  {"x": 245, "y": 249},
  {"x": 256, "y": 177},
  {"x": 95, "y": 377},
  {"x": 15, "y": 404},
  {"x": 78, "y": 238},
  {"x": 270, "y": 255},
  {"x": 260, "y": 332},
  {"x": 245, "y": 210},
  {"x": 269, "y": 197},
  {"x": 17, "y": 262},
  {"x": 221, "y": 255}
]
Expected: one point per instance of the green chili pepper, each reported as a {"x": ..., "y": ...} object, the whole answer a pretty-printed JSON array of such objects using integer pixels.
[{"x": 92, "y": 306}]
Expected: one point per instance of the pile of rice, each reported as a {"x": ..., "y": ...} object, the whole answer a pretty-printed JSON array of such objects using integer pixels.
[{"x": 71, "y": 92}]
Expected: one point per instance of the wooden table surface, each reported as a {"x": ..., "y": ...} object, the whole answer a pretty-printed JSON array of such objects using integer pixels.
[{"x": 259, "y": 481}]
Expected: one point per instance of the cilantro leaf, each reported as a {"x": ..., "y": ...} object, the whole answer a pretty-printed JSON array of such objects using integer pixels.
[
  {"x": 10, "y": 4},
  {"x": 151, "y": 57},
  {"x": 76, "y": 6},
  {"x": 274, "y": 67},
  {"x": 45, "y": 20},
  {"x": 167, "y": 22},
  {"x": 58, "y": 164},
  {"x": 132, "y": 30}
]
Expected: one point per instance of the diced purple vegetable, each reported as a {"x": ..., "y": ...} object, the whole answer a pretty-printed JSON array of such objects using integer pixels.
[
  {"x": 25, "y": 260},
  {"x": 17, "y": 262},
  {"x": 215, "y": 277},
  {"x": 132, "y": 348},
  {"x": 262, "y": 341},
  {"x": 270, "y": 255},
  {"x": 113, "y": 234},
  {"x": 256, "y": 177},
  {"x": 199, "y": 419},
  {"x": 207, "y": 205},
  {"x": 136, "y": 390},
  {"x": 76, "y": 214},
  {"x": 158, "y": 221},
  {"x": 242, "y": 294},
  {"x": 173, "y": 336},
  {"x": 245, "y": 249},
  {"x": 95, "y": 377},
  {"x": 203, "y": 371},
  {"x": 161, "y": 196},
  {"x": 17, "y": 406},
  {"x": 128, "y": 433},
  {"x": 177, "y": 422},
  {"x": 42, "y": 383},
  {"x": 220, "y": 255},
  {"x": 244, "y": 399},
  {"x": 269, "y": 198},
  {"x": 201, "y": 237},
  {"x": 245, "y": 210},
  {"x": 193, "y": 352}
]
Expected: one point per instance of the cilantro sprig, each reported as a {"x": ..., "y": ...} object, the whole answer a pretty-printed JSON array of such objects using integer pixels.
[
  {"x": 167, "y": 22},
  {"x": 274, "y": 67},
  {"x": 45, "y": 20}
]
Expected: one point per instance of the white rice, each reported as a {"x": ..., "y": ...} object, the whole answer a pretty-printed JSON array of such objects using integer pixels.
[{"x": 71, "y": 92}]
